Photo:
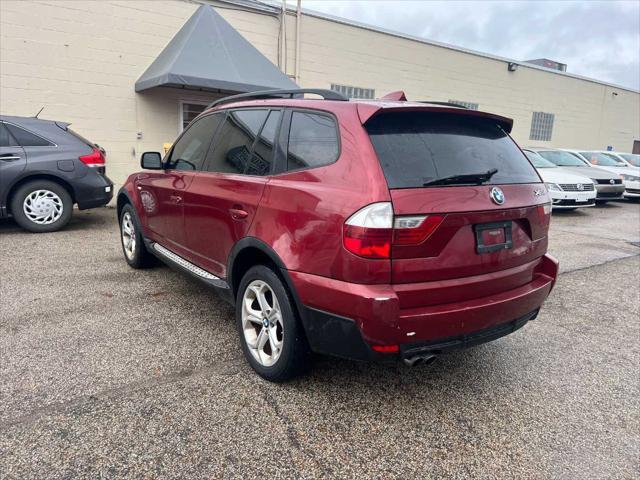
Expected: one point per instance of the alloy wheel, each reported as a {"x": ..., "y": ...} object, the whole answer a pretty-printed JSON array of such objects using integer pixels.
[
  {"x": 262, "y": 323},
  {"x": 128, "y": 236}
]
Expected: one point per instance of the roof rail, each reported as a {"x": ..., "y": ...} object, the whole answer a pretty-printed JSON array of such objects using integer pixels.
[
  {"x": 448, "y": 104},
  {"x": 325, "y": 94}
]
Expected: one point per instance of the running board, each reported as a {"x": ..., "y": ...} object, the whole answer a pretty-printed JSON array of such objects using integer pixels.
[{"x": 177, "y": 260}]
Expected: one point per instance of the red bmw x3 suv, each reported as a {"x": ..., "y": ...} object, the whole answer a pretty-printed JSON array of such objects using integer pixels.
[{"x": 362, "y": 229}]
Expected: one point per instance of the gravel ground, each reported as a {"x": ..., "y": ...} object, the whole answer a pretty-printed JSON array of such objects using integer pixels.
[{"x": 110, "y": 372}]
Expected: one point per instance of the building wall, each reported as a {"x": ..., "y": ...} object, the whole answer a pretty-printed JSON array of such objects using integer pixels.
[
  {"x": 587, "y": 114},
  {"x": 81, "y": 59}
]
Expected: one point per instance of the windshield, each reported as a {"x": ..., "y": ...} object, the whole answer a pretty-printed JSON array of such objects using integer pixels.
[
  {"x": 418, "y": 148},
  {"x": 602, "y": 159},
  {"x": 631, "y": 158},
  {"x": 562, "y": 159},
  {"x": 538, "y": 161}
]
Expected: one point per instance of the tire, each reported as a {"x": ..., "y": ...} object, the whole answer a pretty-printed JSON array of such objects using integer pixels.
[
  {"x": 41, "y": 206},
  {"x": 293, "y": 357},
  {"x": 133, "y": 248}
]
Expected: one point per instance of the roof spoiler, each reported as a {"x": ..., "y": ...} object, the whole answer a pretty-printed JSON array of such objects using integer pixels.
[{"x": 366, "y": 111}]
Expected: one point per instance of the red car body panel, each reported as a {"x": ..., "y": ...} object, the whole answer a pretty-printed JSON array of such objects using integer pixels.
[
  {"x": 214, "y": 221},
  {"x": 444, "y": 289}
]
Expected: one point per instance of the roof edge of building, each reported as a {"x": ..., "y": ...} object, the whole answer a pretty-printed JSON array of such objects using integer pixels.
[{"x": 271, "y": 9}]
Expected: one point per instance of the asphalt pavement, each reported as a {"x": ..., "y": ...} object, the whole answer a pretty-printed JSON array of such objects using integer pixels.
[{"x": 109, "y": 372}]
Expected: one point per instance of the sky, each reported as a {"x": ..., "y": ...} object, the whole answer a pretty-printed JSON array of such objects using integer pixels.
[{"x": 596, "y": 39}]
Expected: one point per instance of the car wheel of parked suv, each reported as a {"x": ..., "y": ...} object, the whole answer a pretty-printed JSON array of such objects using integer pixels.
[
  {"x": 41, "y": 206},
  {"x": 135, "y": 252},
  {"x": 272, "y": 339}
]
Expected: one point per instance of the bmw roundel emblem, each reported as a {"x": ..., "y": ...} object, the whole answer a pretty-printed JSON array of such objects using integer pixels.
[{"x": 497, "y": 195}]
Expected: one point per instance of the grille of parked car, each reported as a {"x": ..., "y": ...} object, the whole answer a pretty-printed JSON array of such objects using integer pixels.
[
  {"x": 573, "y": 187},
  {"x": 605, "y": 181}
]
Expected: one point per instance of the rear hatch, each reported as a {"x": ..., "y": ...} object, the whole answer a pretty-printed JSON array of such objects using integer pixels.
[{"x": 483, "y": 207}]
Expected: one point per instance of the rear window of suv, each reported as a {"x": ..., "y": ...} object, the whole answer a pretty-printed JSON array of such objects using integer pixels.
[{"x": 415, "y": 148}]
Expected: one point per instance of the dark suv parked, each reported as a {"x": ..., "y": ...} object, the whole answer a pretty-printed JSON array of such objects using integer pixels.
[
  {"x": 45, "y": 167},
  {"x": 363, "y": 229}
]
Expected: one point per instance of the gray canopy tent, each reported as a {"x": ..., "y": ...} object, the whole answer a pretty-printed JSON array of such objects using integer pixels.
[{"x": 209, "y": 54}]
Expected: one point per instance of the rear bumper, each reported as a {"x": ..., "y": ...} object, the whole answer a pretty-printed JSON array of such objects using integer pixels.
[
  {"x": 346, "y": 319},
  {"x": 449, "y": 344},
  {"x": 94, "y": 190}
]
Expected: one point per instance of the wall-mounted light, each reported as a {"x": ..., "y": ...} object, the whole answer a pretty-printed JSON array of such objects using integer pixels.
[{"x": 512, "y": 66}]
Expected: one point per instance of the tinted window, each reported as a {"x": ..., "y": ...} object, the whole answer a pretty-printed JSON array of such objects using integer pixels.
[
  {"x": 5, "y": 139},
  {"x": 262, "y": 157},
  {"x": 538, "y": 161},
  {"x": 562, "y": 159},
  {"x": 631, "y": 158},
  {"x": 27, "y": 139},
  {"x": 233, "y": 150},
  {"x": 420, "y": 147},
  {"x": 597, "y": 158},
  {"x": 191, "y": 149},
  {"x": 313, "y": 141}
]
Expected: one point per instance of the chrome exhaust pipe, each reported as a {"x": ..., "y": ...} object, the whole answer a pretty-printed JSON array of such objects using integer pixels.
[{"x": 425, "y": 358}]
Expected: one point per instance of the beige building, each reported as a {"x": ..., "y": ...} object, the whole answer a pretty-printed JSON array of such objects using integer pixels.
[{"x": 81, "y": 61}]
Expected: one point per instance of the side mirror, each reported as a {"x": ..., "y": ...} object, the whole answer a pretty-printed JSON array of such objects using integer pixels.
[{"x": 151, "y": 161}]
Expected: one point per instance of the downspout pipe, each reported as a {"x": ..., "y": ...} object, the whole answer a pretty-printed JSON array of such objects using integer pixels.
[
  {"x": 297, "y": 64},
  {"x": 283, "y": 46}
]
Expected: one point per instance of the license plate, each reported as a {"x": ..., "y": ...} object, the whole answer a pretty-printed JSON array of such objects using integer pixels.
[
  {"x": 493, "y": 237},
  {"x": 582, "y": 198}
]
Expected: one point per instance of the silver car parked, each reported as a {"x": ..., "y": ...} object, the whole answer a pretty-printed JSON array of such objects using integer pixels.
[{"x": 609, "y": 186}]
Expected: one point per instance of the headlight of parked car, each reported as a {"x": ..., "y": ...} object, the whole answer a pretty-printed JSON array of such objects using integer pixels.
[
  {"x": 631, "y": 178},
  {"x": 553, "y": 187}
]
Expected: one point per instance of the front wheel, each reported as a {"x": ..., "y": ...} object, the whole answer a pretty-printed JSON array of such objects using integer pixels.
[
  {"x": 135, "y": 252},
  {"x": 271, "y": 336}
]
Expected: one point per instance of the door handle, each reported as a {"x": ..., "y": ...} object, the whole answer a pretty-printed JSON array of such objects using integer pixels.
[
  {"x": 238, "y": 213},
  {"x": 175, "y": 198},
  {"x": 9, "y": 157}
]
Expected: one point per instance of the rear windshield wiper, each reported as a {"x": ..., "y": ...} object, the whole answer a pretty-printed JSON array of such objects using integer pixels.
[{"x": 467, "y": 178}]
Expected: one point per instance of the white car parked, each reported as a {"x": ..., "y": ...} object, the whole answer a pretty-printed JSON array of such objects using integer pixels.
[
  {"x": 568, "y": 190},
  {"x": 631, "y": 159},
  {"x": 614, "y": 164}
]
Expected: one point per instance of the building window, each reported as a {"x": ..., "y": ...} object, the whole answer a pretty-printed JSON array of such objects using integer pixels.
[
  {"x": 541, "y": 126},
  {"x": 468, "y": 105},
  {"x": 189, "y": 111},
  {"x": 353, "y": 92}
]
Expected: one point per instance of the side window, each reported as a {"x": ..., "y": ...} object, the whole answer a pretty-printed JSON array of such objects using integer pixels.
[
  {"x": 191, "y": 149},
  {"x": 5, "y": 139},
  {"x": 313, "y": 141},
  {"x": 233, "y": 151},
  {"x": 27, "y": 139},
  {"x": 262, "y": 157}
]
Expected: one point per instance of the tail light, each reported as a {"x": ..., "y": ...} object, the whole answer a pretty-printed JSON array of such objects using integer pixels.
[
  {"x": 372, "y": 231},
  {"x": 544, "y": 214},
  {"x": 368, "y": 232},
  {"x": 94, "y": 159},
  {"x": 415, "y": 230}
]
